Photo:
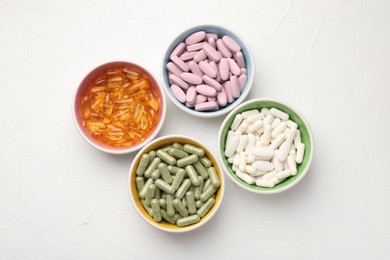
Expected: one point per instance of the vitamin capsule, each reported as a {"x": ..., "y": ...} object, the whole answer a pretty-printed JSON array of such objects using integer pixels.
[
  {"x": 242, "y": 80},
  {"x": 205, "y": 161},
  {"x": 206, "y": 207},
  {"x": 191, "y": 78},
  {"x": 139, "y": 181},
  {"x": 173, "y": 68},
  {"x": 179, "y": 177},
  {"x": 242, "y": 144},
  {"x": 166, "y": 157},
  {"x": 240, "y": 59},
  {"x": 195, "y": 69},
  {"x": 180, "y": 207},
  {"x": 142, "y": 193},
  {"x": 228, "y": 91},
  {"x": 207, "y": 69},
  {"x": 200, "y": 56},
  {"x": 181, "y": 191},
  {"x": 178, "y": 93},
  {"x": 214, "y": 177},
  {"x": 278, "y": 113},
  {"x": 245, "y": 177},
  {"x": 250, "y": 170},
  {"x": 147, "y": 208},
  {"x": 208, "y": 192},
  {"x": 190, "y": 200},
  {"x": 150, "y": 194},
  {"x": 232, "y": 146},
  {"x": 177, "y": 153},
  {"x": 166, "y": 217},
  {"x": 255, "y": 126},
  {"x": 152, "y": 155},
  {"x": 152, "y": 167},
  {"x": 199, "y": 189},
  {"x": 222, "y": 98},
  {"x": 264, "y": 153},
  {"x": 173, "y": 169},
  {"x": 292, "y": 165},
  {"x": 211, "y": 52},
  {"x": 178, "y": 81},
  {"x": 187, "y": 160},
  {"x": 206, "y": 184},
  {"x": 234, "y": 68},
  {"x": 192, "y": 175},
  {"x": 297, "y": 139},
  {"x": 268, "y": 119},
  {"x": 180, "y": 63},
  {"x": 195, "y": 47},
  {"x": 163, "y": 169},
  {"x": 300, "y": 153},
  {"x": 157, "y": 195},
  {"x": 191, "y": 96},
  {"x": 162, "y": 185},
  {"x": 263, "y": 165},
  {"x": 275, "y": 122},
  {"x": 236, "y": 122},
  {"x": 155, "y": 175},
  {"x": 278, "y": 165},
  {"x": 284, "y": 151},
  {"x": 223, "y": 49},
  {"x": 283, "y": 175},
  {"x": 235, "y": 86},
  {"x": 224, "y": 69},
  {"x": 180, "y": 48},
  {"x": 156, "y": 210},
  {"x": 266, "y": 137},
  {"x": 231, "y": 44},
  {"x": 265, "y": 183},
  {"x": 212, "y": 83},
  {"x": 195, "y": 37},
  {"x": 170, "y": 208},
  {"x": 277, "y": 141},
  {"x": 143, "y": 164},
  {"x": 186, "y": 221},
  {"x": 206, "y": 90},
  {"x": 278, "y": 130},
  {"x": 198, "y": 204},
  {"x": 188, "y": 55},
  {"x": 215, "y": 67},
  {"x": 243, "y": 127},
  {"x": 242, "y": 164},
  {"x": 291, "y": 135}
]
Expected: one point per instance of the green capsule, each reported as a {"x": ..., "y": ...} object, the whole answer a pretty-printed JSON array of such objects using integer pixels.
[
  {"x": 177, "y": 153},
  {"x": 163, "y": 203},
  {"x": 150, "y": 194},
  {"x": 179, "y": 177},
  {"x": 173, "y": 169},
  {"x": 152, "y": 167},
  {"x": 198, "y": 204},
  {"x": 162, "y": 185},
  {"x": 143, "y": 163},
  {"x": 166, "y": 157},
  {"x": 199, "y": 189},
  {"x": 187, "y": 160},
  {"x": 193, "y": 150},
  {"x": 206, "y": 184},
  {"x": 214, "y": 177},
  {"x": 177, "y": 146},
  {"x": 190, "y": 199},
  {"x": 170, "y": 208},
  {"x": 176, "y": 217},
  {"x": 207, "y": 193},
  {"x": 205, "y": 208},
  {"x": 157, "y": 195},
  {"x": 142, "y": 193},
  {"x": 166, "y": 148},
  {"x": 163, "y": 169},
  {"x": 201, "y": 170},
  {"x": 205, "y": 161},
  {"x": 148, "y": 209},
  {"x": 192, "y": 175},
  {"x": 139, "y": 182},
  {"x": 180, "y": 207},
  {"x": 155, "y": 174},
  {"x": 165, "y": 216},
  {"x": 152, "y": 155},
  {"x": 156, "y": 210},
  {"x": 186, "y": 221},
  {"x": 181, "y": 191}
]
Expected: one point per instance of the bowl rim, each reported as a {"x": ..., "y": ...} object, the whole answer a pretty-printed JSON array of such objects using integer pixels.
[
  {"x": 272, "y": 191},
  {"x": 131, "y": 149},
  {"x": 236, "y": 102},
  {"x": 156, "y": 225}
]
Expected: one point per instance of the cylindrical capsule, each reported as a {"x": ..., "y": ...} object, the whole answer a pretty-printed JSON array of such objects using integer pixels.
[
  {"x": 177, "y": 146},
  {"x": 163, "y": 203},
  {"x": 193, "y": 150},
  {"x": 155, "y": 175},
  {"x": 178, "y": 153},
  {"x": 156, "y": 210},
  {"x": 152, "y": 167},
  {"x": 214, "y": 177},
  {"x": 163, "y": 169},
  {"x": 147, "y": 208},
  {"x": 187, "y": 160},
  {"x": 206, "y": 184},
  {"x": 140, "y": 182},
  {"x": 198, "y": 189},
  {"x": 150, "y": 194},
  {"x": 162, "y": 185},
  {"x": 170, "y": 208},
  {"x": 166, "y": 157},
  {"x": 300, "y": 153},
  {"x": 192, "y": 175},
  {"x": 166, "y": 217},
  {"x": 179, "y": 177},
  {"x": 173, "y": 169},
  {"x": 205, "y": 208},
  {"x": 152, "y": 155},
  {"x": 142, "y": 193},
  {"x": 190, "y": 200},
  {"x": 199, "y": 204},
  {"x": 180, "y": 207},
  {"x": 208, "y": 192},
  {"x": 186, "y": 221},
  {"x": 143, "y": 163},
  {"x": 181, "y": 191},
  {"x": 201, "y": 169},
  {"x": 205, "y": 161}
]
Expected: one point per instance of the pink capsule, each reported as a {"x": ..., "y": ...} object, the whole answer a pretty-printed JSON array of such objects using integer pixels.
[
  {"x": 222, "y": 98},
  {"x": 181, "y": 64},
  {"x": 171, "y": 67},
  {"x": 200, "y": 56},
  {"x": 242, "y": 79},
  {"x": 212, "y": 83},
  {"x": 235, "y": 86},
  {"x": 191, "y": 78},
  {"x": 206, "y": 90},
  {"x": 191, "y": 95},
  {"x": 211, "y": 52},
  {"x": 178, "y": 81},
  {"x": 207, "y": 106},
  {"x": 223, "y": 49},
  {"x": 231, "y": 44},
  {"x": 178, "y": 93},
  {"x": 240, "y": 59},
  {"x": 207, "y": 69},
  {"x": 195, "y": 47},
  {"x": 212, "y": 35},
  {"x": 211, "y": 41},
  {"x": 215, "y": 67},
  {"x": 200, "y": 99},
  {"x": 188, "y": 55},
  {"x": 178, "y": 50},
  {"x": 244, "y": 71},
  {"x": 233, "y": 67},
  {"x": 195, "y": 69},
  {"x": 195, "y": 37},
  {"x": 228, "y": 91},
  {"x": 224, "y": 69}
]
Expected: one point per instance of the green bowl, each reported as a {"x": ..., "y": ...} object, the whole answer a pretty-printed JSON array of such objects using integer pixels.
[{"x": 306, "y": 136}]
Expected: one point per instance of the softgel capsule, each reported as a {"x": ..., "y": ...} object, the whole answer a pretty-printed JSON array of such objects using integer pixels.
[{"x": 264, "y": 147}]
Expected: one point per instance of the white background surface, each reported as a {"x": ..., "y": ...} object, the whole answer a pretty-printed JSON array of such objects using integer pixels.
[{"x": 62, "y": 199}]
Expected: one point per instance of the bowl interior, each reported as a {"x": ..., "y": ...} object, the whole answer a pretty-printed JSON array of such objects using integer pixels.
[
  {"x": 221, "y": 32},
  {"x": 156, "y": 144},
  {"x": 86, "y": 83},
  {"x": 305, "y": 136}
]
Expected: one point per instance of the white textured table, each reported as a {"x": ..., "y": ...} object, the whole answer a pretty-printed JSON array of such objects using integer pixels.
[{"x": 62, "y": 199}]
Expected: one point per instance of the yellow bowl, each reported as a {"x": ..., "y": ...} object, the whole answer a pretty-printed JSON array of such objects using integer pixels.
[{"x": 136, "y": 200}]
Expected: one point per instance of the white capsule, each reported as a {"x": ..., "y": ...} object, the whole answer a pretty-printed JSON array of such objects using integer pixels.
[
  {"x": 242, "y": 144},
  {"x": 250, "y": 158},
  {"x": 248, "y": 113},
  {"x": 245, "y": 177},
  {"x": 231, "y": 159},
  {"x": 293, "y": 152},
  {"x": 236, "y": 122},
  {"x": 275, "y": 123},
  {"x": 265, "y": 111},
  {"x": 269, "y": 175},
  {"x": 279, "y": 129},
  {"x": 291, "y": 124},
  {"x": 229, "y": 136},
  {"x": 278, "y": 113},
  {"x": 243, "y": 127},
  {"x": 268, "y": 119},
  {"x": 292, "y": 165},
  {"x": 235, "y": 168},
  {"x": 283, "y": 175},
  {"x": 265, "y": 166},
  {"x": 291, "y": 135},
  {"x": 236, "y": 161},
  {"x": 258, "y": 173},
  {"x": 284, "y": 151},
  {"x": 260, "y": 130},
  {"x": 297, "y": 139},
  {"x": 250, "y": 170},
  {"x": 277, "y": 141},
  {"x": 251, "y": 143},
  {"x": 266, "y": 137},
  {"x": 255, "y": 126},
  {"x": 232, "y": 145},
  {"x": 253, "y": 118},
  {"x": 264, "y": 153},
  {"x": 265, "y": 183},
  {"x": 276, "y": 180},
  {"x": 276, "y": 162},
  {"x": 242, "y": 164},
  {"x": 300, "y": 153}
]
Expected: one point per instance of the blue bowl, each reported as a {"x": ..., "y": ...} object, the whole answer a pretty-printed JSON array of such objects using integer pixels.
[{"x": 221, "y": 31}]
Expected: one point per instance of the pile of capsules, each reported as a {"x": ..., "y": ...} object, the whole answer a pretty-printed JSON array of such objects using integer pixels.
[
  {"x": 177, "y": 183},
  {"x": 206, "y": 72},
  {"x": 264, "y": 147}
]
